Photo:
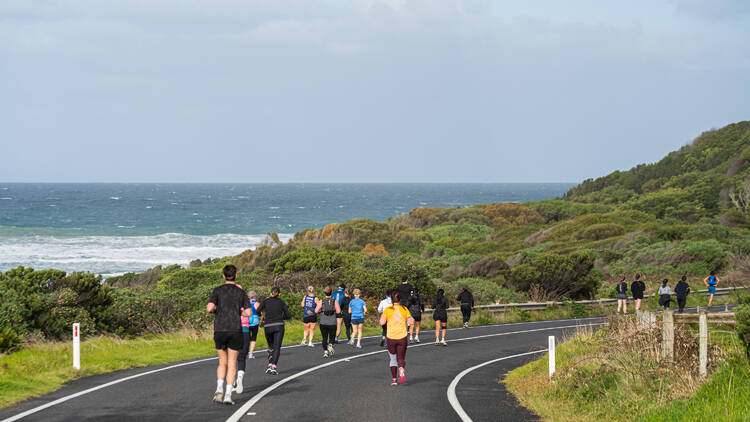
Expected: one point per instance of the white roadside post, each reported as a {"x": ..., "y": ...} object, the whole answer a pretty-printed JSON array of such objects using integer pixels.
[
  {"x": 551, "y": 356},
  {"x": 76, "y": 345}
]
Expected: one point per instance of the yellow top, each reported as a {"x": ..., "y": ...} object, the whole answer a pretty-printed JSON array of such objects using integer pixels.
[{"x": 396, "y": 316}]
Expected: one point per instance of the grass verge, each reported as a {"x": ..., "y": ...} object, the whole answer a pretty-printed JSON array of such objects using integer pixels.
[{"x": 617, "y": 374}]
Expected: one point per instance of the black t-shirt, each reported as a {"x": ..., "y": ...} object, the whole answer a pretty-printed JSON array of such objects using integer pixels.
[
  {"x": 275, "y": 310},
  {"x": 229, "y": 300},
  {"x": 405, "y": 290}
]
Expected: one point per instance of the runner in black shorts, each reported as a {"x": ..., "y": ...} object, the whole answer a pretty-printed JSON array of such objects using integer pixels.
[
  {"x": 226, "y": 303},
  {"x": 440, "y": 315}
]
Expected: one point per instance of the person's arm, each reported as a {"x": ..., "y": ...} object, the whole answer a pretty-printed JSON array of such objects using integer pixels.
[
  {"x": 364, "y": 309},
  {"x": 285, "y": 310},
  {"x": 421, "y": 303},
  {"x": 350, "y": 308},
  {"x": 302, "y": 304},
  {"x": 211, "y": 306},
  {"x": 717, "y": 280},
  {"x": 319, "y": 306},
  {"x": 337, "y": 307},
  {"x": 471, "y": 296},
  {"x": 705, "y": 281},
  {"x": 246, "y": 307}
]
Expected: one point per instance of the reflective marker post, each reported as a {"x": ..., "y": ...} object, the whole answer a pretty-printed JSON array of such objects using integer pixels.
[
  {"x": 551, "y": 356},
  {"x": 76, "y": 345}
]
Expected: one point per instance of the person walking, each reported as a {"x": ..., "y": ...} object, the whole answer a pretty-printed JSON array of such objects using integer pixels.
[
  {"x": 440, "y": 315},
  {"x": 681, "y": 290},
  {"x": 309, "y": 317},
  {"x": 338, "y": 296},
  {"x": 665, "y": 294},
  {"x": 711, "y": 282},
  {"x": 404, "y": 288},
  {"x": 226, "y": 303},
  {"x": 328, "y": 308},
  {"x": 622, "y": 296},
  {"x": 396, "y": 318},
  {"x": 357, "y": 310},
  {"x": 347, "y": 318},
  {"x": 381, "y": 307},
  {"x": 637, "y": 288},
  {"x": 466, "y": 299},
  {"x": 275, "y": 311},
  {"x": 416, "y": 307}
]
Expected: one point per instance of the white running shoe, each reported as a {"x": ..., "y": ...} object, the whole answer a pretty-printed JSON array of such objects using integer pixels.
[
  {"x": 228, "y": 399},
  {"x": 218, "y": 396},
  {"x": 238, "y": 389},
  {"x": 416, "y": 339},
  {"x": 330, "y": 349},
  {"x": 310, "y": 345},
  {"x": 303, "y": 342},
  {"x": 359, "y": 346},
  {"x": 444, "y": 343}
]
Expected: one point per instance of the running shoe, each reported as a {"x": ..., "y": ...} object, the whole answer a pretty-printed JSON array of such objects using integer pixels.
[
  {"x": 401, "y": 375},
  {"x": 310, "y": 345},
  {"x": 358, "y": 346},
  {"x": 268, "y": 369},
  {"x": 393, "y": 382},
  {"x": 350, "y": 342},
  {"x": 238, "y": 388},
  {"x": 228, "y": 400},
  {"x": 416, "y": 339},
  {"x": 330, "y": 349},
  {"x": 274, "y": 371},
  {"x": 411, "y": 340},
  {"x": 218, "y": 397},
  {"x": 443, "y": 343},
  {"x": 325, "y": 353},
  {"x": 251, "y": 356},
  {"x": 303, "y": 342},
  {"x": 437, "y": 342}
]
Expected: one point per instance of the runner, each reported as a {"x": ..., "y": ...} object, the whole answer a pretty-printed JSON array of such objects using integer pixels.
[
  {"x": 466, "y": 299},
  {"x": 622, "y": 296},
  {"x": 328, "y": 308},
  {"x": 404, "y": 288},
  {"x": 711, "y": 282},
  {"x": 275, "y": 312},
  {"x": 358, "y": 310},
  {"x": 681, "y": 290},
  {"x": 345, "y": 312},
  {"x": 440, "y": 315},
  {"x": 242, "y": 356},
  {"x": 665, "y": 294},
  {"x": 396, "y": 318},
  {"x": 416, "y": 307},
  {"x": 338, "y": 296},
  {"x": 225, "y": 303},
  {"x": 309, "y": 317},
  {"x": 381, "y": 307},
  {"x": 637, "y": 288},
  {"x": 254, "y": 322}
]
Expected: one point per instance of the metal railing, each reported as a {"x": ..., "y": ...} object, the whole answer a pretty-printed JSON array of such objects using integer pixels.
[{"x": 538, "y": 306}]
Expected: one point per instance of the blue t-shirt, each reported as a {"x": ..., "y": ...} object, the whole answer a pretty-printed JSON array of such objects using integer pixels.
[
  {"x": 712, "y": 280},
  {"x": 338, "y": 295},
  {"x": 254, "y": 319},
  {"x": 357, "y": 306}
]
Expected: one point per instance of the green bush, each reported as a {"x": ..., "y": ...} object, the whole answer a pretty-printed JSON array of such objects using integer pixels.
[
  {"x": 742, "y": 316},
  {"x": 554, "y": 210},
  {"x": 59, "y": 325},
  {"x": 484, "y": 291},
  {"x": 558, "y": 275},
  {"x": 8, "y": 339},
  {"x": 309, "y": 258},
  {"x": 601, "y": 231},
  {"x": 460, "y": 231},
  {"x": 13, "y": 311}
]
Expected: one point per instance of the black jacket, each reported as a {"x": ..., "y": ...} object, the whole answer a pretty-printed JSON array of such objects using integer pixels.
[
  {"x": 681, "y": 289},
  {"x": 275, "y": 311},
  {"x": 405, "y": 290},
  {"x": 622, "y": 288},
  {"x": 416, "y": 305},
  {"x": 466, "y": 298},
  {"x": 638, "y": 287}
]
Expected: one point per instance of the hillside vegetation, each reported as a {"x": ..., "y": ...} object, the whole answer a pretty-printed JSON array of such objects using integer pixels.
[{"x": 686, "y": 214}]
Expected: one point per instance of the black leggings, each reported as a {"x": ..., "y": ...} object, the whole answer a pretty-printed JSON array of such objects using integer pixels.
[
  {"x": 243, "y": 352},
  {"x": 274, "y": 337},
  {"x": 385, "y": 329},
  {"x": 329, "y": 333},
  {"x": 466, "y": 312},
  {"x": 348, "y": 325}
]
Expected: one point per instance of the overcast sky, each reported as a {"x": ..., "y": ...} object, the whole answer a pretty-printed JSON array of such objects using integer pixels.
[{"x": 362, "y": 91}]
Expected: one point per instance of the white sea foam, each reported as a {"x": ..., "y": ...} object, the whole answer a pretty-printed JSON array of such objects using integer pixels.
[
  {"x": 115, "y": 198},
  {"x": 118, "y": 254}
]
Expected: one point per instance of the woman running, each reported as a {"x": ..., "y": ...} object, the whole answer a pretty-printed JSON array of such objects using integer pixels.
[
  {"x": 396, "y": 318},
  {"x": 637, "y": 287},
  {"x": 622, "y": 296},
  {"x": 347, "y": 318},
  {"x": 711, "y": 282},
  {"x": 309, "y": 317},
  {"x": 275, "y": 312},
  {"x": 254, "y": 322},
  {"x": 416, "y": 307},
  {"x": 665, "y": 294},
  {"x": 328, "y": 308},
  {"x": 358, "y": 310},
  {"x": 440, "y": 315}
]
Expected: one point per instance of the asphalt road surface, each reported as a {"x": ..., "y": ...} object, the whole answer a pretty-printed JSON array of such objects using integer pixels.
[{"x": 444, "y": 383}]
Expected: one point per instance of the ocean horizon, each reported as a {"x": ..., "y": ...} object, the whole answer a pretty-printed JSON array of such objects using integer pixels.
[{"x": 112, "y": 228}]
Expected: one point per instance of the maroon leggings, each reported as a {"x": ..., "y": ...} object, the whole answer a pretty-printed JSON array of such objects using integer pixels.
[{"x": 397, "y": 351}]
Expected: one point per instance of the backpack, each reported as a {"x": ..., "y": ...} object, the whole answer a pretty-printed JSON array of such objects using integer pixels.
[{"x": 328, "y": 307}]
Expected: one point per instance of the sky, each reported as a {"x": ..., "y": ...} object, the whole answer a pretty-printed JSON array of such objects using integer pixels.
[{"x": 361, "y": 90}]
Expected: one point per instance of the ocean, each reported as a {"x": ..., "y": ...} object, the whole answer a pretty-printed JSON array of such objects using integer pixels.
[{"x": 115, "y": 228}]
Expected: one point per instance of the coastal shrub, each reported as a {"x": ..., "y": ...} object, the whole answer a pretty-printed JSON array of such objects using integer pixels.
[
  {"x": 9, "y": 339},
  {"x": 190, "y": 278},
  {"x": 426, "y": 217},
  {"x": 460, "y": 231},
  {"x": 487, "y": 267},
  {"x": 59, "y": 325},
  {"x": 419, "y": 272},
  {"x": 742, "y": 316},
  {"x": 13, "y": 311},
  {"x": 484, "y": 291},
  {"x": 601, "y": 231},
  {"x": 558, "y": 275},
  {"x": 554, "y": 210},
  {"x": 511, "y": 214},
  {"x": 435, "y": 250},
  {"x": 310, "y": 258},
  {"x": 148, "y": 278},
  {"x": 481, "y": 247}
]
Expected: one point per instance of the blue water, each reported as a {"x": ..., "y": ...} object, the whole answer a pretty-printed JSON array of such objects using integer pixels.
[{"x": 113, "y": 228}]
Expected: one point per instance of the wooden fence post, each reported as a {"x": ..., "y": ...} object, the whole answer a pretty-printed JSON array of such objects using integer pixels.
[
  {"x": 668, "y": 335},
  {"x": 703, "y": 353},
  {"x": 651, "y": 319}
]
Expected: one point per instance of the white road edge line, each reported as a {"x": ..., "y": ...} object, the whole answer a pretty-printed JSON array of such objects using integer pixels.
[
  {"x": 453, "y": 400},
  {"x": 256, "y": 398},
  {"x": 111, "y": 383}
]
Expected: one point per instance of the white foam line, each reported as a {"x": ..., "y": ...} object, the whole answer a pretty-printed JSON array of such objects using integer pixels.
[
  {"x": 453, "y": 400},
  {"x": 118, "y": 381},
  {"x": 256, "y": 398}
]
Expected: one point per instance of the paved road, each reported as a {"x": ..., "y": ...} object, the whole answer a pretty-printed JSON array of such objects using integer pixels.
[{"x": 354, "y": 384}]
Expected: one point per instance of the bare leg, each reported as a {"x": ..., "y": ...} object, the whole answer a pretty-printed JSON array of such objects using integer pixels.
[
  {"x": 637, "y": 305},
  {"x": 252, "y": 347},
  {"x": 417, "y": 323},
  {"x": 221, "y": 370},
  {"x": 232, "y": 365},
  {"x": 339, "y": 321}
]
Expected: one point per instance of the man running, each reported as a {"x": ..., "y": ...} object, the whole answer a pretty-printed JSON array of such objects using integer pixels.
[
  {"x": 309, "y": 316},
  {"x": 416, "y": 307},
  {"x": 328, "y": 308},
  {"x": 357, "y": 309},
  {"x": 338, "y": 296},
  {"x": 440, "y": 315},
  {"x": 466, "y": 299},
  {"x": 241, "y": 358},
  {"x": 681, "y": 290},
  {"x": 711, "y": 282},
  {"x": 405, "y": 289},
  {"x": 396, "y": 318},
  {"x": 275, "y": 312},
  {"x": 225, "y": 303},
  {"x": 381, "y": 307}
]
